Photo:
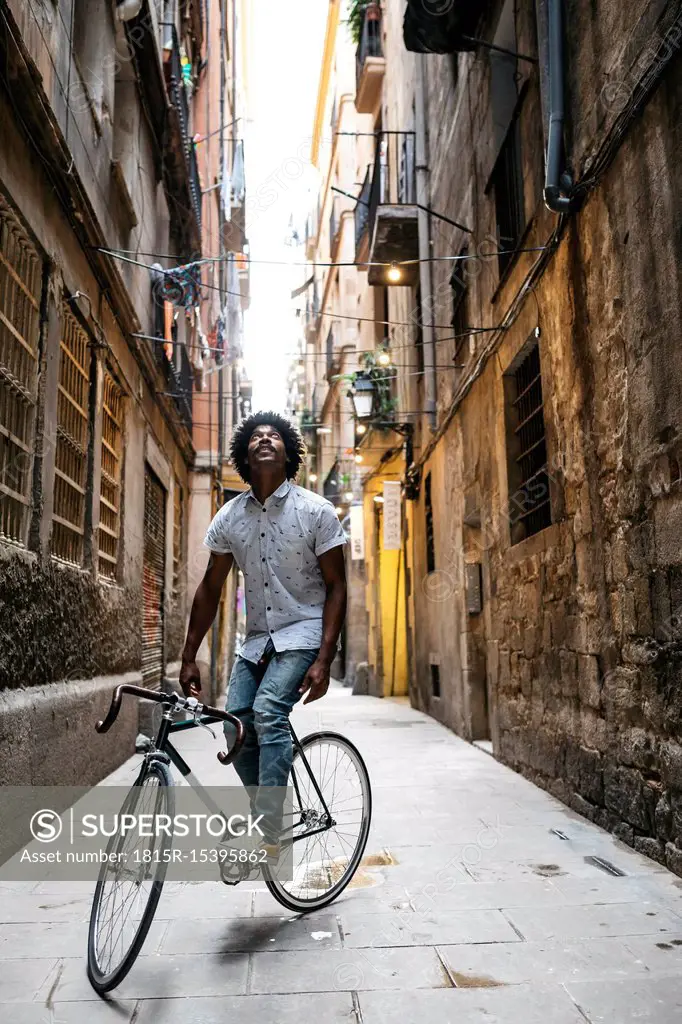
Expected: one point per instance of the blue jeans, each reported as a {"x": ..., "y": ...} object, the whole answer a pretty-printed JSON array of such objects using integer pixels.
[{"x": 264, "y": 703}]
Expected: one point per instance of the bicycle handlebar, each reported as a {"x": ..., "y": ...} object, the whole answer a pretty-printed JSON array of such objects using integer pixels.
[{"x": 188, "y": 703}]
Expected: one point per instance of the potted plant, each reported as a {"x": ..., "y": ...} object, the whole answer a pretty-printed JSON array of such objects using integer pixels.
[{"x": 358, "y": 10}]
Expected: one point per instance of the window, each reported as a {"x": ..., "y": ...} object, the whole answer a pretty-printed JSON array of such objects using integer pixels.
[
  {"x": 430, "y": 546},
  {"x": 460, "y": 313},
  {"x": 20, "y": 292},
  {"x": 529, "y": 497},
  {"x": 507, "y": 182},
  {"x": 71, "y": 458},
  {"x": 435, "y": 680},
  {"x": 110, "y": 479}
]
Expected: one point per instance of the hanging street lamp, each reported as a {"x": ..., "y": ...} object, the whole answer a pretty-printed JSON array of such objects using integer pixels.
[{"x": 362, "y": 396}]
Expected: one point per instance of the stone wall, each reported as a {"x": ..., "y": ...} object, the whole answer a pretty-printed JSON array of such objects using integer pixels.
[{"x": 580, "y": 637}]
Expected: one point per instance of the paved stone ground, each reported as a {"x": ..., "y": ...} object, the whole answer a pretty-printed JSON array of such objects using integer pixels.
[{"x": 485, "y": 913}]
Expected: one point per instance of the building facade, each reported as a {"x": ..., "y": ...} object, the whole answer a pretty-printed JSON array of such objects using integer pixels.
[
  {"x": 102, "y": 351},
  {"x": 530, "y": 323}
]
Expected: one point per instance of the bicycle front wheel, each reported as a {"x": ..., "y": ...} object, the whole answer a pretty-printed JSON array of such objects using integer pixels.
[
  {"x": 129, "y": 887},
  {"x": 328, "y": 836}
]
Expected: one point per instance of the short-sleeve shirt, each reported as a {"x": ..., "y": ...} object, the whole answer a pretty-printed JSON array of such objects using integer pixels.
[{"x": 276, "y": 545}]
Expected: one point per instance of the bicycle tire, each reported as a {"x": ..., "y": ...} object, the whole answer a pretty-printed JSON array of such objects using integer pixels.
[
  {"x": 101, "y": 978},
  {"x": 279, "y": 889}
]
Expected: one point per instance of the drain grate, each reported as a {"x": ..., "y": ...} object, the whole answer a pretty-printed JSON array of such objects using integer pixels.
[{"x": 605, "y": 865}]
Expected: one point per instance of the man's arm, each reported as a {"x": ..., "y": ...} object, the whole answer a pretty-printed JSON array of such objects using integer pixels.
[
  {"x": 333, "y": 566},
  {"x": 204, "y": 608}
]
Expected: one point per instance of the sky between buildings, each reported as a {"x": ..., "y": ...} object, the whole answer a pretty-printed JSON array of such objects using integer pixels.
[{"x": 284, "y": 67}]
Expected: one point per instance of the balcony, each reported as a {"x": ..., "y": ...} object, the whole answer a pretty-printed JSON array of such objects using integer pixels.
[
  {"x": 386, "y": 229},
  {"x": 181, "y": 171},
  {"x": 334, "y": 229},
  {"x": 179, "y": 382},
  {"x": 361, "y": 218},
  {"x": 370, "y": 63}
]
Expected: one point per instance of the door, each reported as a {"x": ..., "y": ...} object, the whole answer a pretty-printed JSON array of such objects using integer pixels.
[{"x": 153, "y": 578}]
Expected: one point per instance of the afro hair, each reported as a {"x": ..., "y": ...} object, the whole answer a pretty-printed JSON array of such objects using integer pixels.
[{"x": 293, "y": 443}]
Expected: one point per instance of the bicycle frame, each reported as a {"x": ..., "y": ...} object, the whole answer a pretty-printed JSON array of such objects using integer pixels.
[{"x": 165, "y": 751}]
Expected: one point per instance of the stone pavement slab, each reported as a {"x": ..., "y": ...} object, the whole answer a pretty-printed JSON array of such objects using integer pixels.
[
  {"x": 94, "y": 1011},
  {"x": 328, "y": 1008},
  {"x": 476, "y": 902},
  {"x": 512, "y": 963},
  {"x": 542, "y": 923},
  {"x": 20, "y": 978},
  {"x": 184, "y": 976},
  {"x": 428, "y": 929},
  {"x": 632, "y": 1001},
  {"x": 333, "y": 970},
  {"x": 313, "y": 932},
  {"x": 522, "y": 1004}
]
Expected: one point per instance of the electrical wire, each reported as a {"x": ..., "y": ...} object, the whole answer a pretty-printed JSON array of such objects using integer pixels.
[{"x": 117, "y": 254}]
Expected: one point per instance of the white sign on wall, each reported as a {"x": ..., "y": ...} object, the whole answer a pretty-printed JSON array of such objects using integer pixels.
[
  {"x": 392, "y": 515},
  {"x": 357, "y": 533}
]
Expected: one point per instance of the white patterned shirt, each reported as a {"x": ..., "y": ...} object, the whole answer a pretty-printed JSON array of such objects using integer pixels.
[{"x": 276, "y": 545}]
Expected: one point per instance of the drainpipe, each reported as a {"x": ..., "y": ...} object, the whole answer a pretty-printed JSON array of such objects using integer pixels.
[
  {"x": 423, "y": 199},
  {"x": 557, "y": 183}
]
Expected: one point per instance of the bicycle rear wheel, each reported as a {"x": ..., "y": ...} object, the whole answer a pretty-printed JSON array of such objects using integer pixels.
[
  {"x": 128, "y": 891},
  {"x": 326, "y": 852}
]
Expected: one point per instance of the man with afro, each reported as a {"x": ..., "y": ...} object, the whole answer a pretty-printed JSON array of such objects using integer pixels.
[{"x": 288, "y": 542}]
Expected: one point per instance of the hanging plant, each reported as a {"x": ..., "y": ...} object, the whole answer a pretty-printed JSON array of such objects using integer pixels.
[
  {"x": 357, "y": 10},
  {"x": 384, "y": 403}
]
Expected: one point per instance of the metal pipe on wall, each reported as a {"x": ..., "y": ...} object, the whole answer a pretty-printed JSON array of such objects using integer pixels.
[
  {"x": 424, "y": 231},
  {"x": 556, "y": 181}
]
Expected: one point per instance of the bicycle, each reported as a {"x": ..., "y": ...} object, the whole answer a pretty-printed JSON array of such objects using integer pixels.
[{"x": 121, "y": 915}]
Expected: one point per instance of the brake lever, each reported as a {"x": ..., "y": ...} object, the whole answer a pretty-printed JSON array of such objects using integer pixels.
[{"x": 196, "y": 709}]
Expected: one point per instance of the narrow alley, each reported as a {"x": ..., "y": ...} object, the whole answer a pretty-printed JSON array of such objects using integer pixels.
[
  {"x": 480, "y": 899},
  {"x": 340, "y": 363}
]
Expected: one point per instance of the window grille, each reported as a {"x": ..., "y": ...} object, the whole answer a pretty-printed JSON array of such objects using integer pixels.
[
  {"x": 530, "y": 509},
  {"x": 509, "y": 202},
  {"x": 178, "y": 517},
  {"x": 20, "y": 290},
  {"x": 71, "y": 460},
  {"x": 110, "y": 479}
]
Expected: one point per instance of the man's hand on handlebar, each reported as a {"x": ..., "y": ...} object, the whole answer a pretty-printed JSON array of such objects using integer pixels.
[{"x": 190, "y": 679}]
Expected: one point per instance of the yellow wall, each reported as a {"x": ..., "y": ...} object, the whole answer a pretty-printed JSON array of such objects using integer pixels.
[
  {"x": 392, "y": 575},
  {"x": 385, "y": 578}
]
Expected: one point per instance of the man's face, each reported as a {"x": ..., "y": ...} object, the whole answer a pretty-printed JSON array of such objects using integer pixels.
[{"x": 266, "y": 449}]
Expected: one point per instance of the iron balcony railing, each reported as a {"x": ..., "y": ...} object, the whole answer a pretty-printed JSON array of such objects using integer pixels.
[
  {"x": 181, "y": 385},
  {"x": 393, "y": 180},
  {"x": 370, "y": 40},
  {"x": 334, "y": 225},
  {"x": 178, "y": 97},
  {"x": 362, "y": 208}
]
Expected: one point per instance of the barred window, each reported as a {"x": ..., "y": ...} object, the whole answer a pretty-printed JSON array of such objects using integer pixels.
[
  {"x": 178, "y": 526},
  {"x": 110, "y": 479},
  {"x": 529, "y": 495},
  {"x": 20, "y": 290},
  {"x": 71, "y": 460}
]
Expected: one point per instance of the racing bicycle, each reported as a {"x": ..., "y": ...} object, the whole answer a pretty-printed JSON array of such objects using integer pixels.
[{"x": 327, "y": 831}]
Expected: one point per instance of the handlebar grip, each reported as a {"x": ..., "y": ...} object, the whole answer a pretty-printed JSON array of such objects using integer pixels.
[
  {"x": 139, "y": 691},
  {"x": 229, "y": 757}
]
